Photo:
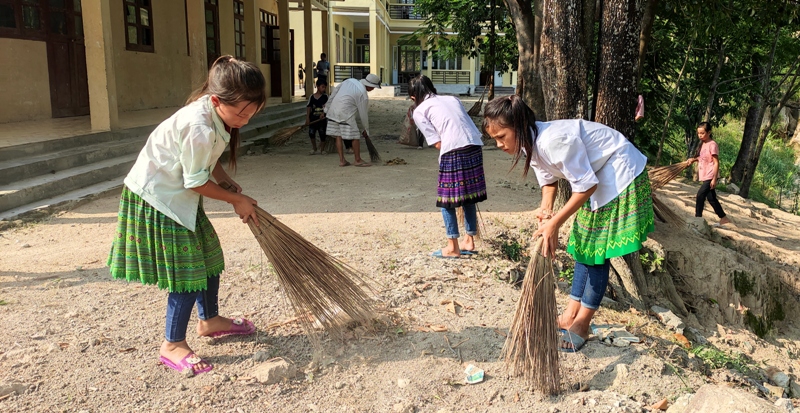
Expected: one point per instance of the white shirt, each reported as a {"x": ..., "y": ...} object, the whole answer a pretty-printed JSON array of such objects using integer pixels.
[
  {"x": 443, "y": 119},
  {"x": 586, "y": 154},
  {"x": 347, "y": 98},
  {"x": 179, "y": 155}
]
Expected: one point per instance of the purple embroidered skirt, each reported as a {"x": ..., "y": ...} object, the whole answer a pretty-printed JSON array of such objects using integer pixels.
[{"x": 461, "y": 180}]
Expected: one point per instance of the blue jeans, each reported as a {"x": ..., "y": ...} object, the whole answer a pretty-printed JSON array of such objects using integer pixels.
[
  {"x": 179, "y": 309},
  {"x": 589, "y": 284},
  {"x": 451, "y": 221}
]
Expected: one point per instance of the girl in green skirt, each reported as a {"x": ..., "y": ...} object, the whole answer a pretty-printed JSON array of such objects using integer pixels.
[
  {"x": 163, "y": 235},
  {"x": 610, "y": 194}
]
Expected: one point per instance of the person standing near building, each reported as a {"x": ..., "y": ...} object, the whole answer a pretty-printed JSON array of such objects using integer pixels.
[
  {"x": 345, "y": 100},
  {"x": 323, "y": 67},
  {"x": 301, "y": 75}
]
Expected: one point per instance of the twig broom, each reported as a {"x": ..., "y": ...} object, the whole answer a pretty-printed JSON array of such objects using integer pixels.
[
  {"x": 315, "y": 283},
  {"x": 480, "y": 228},
  {"x": 374, "y": 155},
  {"x": 664, "y": 174},
  {"x": 475, "y": 110},
  {"x": 282, "y": 136},
  {"x": 531, "y": 348},
  {"x": 665, "y": 213}
]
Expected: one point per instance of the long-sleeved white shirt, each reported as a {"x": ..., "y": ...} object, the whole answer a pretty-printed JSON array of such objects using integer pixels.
[
  {"x": 586, "y": 154},
  {"x": 347, "y": 98},
  {"x": 179, "y": 155},
  {"x": 443, "y": 119}
]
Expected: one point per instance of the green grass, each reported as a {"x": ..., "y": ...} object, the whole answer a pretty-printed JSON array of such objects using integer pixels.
[{"x": 717, "y": 359}]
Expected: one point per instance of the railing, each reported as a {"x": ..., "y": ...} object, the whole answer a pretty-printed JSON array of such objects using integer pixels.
[
  {"x": 344, "y": 72},
  {"x": 451, "y": 77},
  {"x": 404, "y": 12}
]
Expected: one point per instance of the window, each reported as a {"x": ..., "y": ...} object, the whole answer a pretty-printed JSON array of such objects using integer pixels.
[
  {"x": 39, "y": 20},
  {"x": 139, "y": 25},
  {"x": 338, "y": 56},
  {"x": 268, "y": 22},
  {"x": 212, "y": 31},
  {"x": 351, "y": 47},
  {"x": 238, "y": 28},
  {"x": 454, "y": 63}
]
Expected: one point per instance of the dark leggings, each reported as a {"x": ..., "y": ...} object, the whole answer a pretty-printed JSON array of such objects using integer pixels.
[{"x": 706, "y": 192}]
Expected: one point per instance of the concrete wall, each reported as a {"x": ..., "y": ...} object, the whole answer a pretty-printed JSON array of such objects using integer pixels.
[
  {"x": 24, "y": 80},
  {"x": 297, "y": 23},
  {"x": 159, "y": 79},
  {"x": 346, "y": 23}
]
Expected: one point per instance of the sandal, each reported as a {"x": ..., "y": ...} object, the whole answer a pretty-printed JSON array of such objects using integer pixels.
[
  {"x": 572, "y": 339},
  {"x": 187, "y": 363},
  {"x": 239, "y": 327}
]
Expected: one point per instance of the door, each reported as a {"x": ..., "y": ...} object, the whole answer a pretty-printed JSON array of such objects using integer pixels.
[
  {"x": 274, "y": 52},
  {"x": 66, "y": 59},
  {"x": 212, "y": 31},
  {"x": 410, "y": 62}
]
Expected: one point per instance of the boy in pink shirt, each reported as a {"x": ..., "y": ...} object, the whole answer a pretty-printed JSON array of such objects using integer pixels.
[{"x": 708, "y": 169}]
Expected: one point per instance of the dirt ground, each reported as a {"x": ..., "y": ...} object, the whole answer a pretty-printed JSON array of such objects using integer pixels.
[{"x": 77, "y": 341}]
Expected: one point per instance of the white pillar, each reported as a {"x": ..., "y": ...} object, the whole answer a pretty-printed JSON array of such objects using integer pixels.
[
  {"x": 287, "y": 76},
  {"x": 373, "y": 40},
  {"x": 308, "y": 36}
]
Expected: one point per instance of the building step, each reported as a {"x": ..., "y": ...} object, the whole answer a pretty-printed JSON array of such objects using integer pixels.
[
  {"x": 53, "y": 145},
  {"x": 30, "y": 190},
  {"x": 66, "y": 200},
  {"x": 53, "y": 162}
]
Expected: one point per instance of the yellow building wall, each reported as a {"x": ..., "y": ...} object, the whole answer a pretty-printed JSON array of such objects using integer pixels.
[
  {"x": 297, "y": 23},
  {"x": 24, "y": 80},
  {"x": 269, "y": 6},
  {"x": 344, "y": 23},
  {"x": 159, "y": 79}
]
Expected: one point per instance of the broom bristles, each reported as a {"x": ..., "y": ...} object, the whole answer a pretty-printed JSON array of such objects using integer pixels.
[
  {"x": 475, "y": 110},
  {"x": 531, "y": 348},
  {"x": 478, "y": 222},
  {"x": 282, "y": 136},
  {"x": 664, "y": 174},
  {"x": 665, "y": 213},
  {"x": 374, "y": 155},
  {"x": 315, "y": 283},
  {"x": 330, "y": 144}
]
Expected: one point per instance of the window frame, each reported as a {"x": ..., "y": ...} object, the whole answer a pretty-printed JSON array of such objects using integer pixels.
[
  {"x": 241, "y": 45},
  {"x": 19, "y": 31},
  {"x": 267, "y": 20},
  {"x": 138, "y": 47}
]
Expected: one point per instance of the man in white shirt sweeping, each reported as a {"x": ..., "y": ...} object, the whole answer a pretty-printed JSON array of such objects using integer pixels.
[{"x": 345, "y": 100}]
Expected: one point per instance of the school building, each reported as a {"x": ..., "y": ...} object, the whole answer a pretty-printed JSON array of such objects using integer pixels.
[{"x": 104, "y": 58}]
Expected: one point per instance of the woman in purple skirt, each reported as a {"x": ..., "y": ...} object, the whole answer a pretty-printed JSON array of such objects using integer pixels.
[{"x": 448, "y": 128}]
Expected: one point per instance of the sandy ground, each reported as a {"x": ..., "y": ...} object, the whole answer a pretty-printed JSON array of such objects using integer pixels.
[{"x": 77, "y": 341}]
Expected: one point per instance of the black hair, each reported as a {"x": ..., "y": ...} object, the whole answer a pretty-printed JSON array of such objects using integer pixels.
[
  {"x": 234, "y": 81},
  {"x": 321, "y": 82},
  {"x": 420, "y": 87},
  {"x": 706, "y": 126},
  {"x": 512, "y": 112}
]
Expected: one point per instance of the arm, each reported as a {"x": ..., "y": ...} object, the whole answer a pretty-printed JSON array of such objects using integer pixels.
[
  {"x": 243, "y": 205},
  {"x": 715, "y": 168},
  {"x": 363, "y": 112},
  {"x": 550, "y": 229}
]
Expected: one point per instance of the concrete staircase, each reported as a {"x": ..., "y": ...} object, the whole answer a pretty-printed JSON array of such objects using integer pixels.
[
  {"x": 40, "y": 177},
  {"x": 498, "y": 90}
]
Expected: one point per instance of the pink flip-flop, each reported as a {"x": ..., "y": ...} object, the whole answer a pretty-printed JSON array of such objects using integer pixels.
[
  {"x": 239, "y": 327},
  {"x": 187, "y": 362}
]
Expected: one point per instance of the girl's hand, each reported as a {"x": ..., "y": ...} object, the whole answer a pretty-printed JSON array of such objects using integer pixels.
[
  {"x": 244, "y": 206},
  {"x": 692, "y": 160},
  {"x": 549, "y": 231},
  {"x": 232, "y": 183},
  {"x": 713, "y": 184}
]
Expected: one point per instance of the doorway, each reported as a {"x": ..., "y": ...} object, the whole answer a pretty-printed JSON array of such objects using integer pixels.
[
  {"x": 66, "y": 58},
  {"x": 275, "y": 55}
]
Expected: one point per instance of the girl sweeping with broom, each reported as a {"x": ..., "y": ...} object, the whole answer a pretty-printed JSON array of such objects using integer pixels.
[
  {"x": 610, "y": 194},
  {"x": 448, "y": 128},
  {"x": 163, "y": 235}
]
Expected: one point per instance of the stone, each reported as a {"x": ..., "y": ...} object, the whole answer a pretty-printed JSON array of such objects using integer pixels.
[
  {"x": 404, "y": 408},
  {"x": 722, "y": 399},
  {"x": 679, "y": 406},
  {"x": 339, "y": 385},
  {"x": 698, "y": 225},
  {"x": 274, "y": 371},
  {"x": 695, "y": 336},
  {"x": 564, "y": 287},
  {"x": 660, "y": 405},
  {"x": 260, "y": 356},
  {"x": 668, "y": 318},
  {"x": 778, "y": 377},
  {"x": 181, "y": 387},
  {"x": 776, "y": 391},
  {"x": 784, "y": 404},
  {"x": 621, "y": 342},
  {"x": 12, "y": 387},
  {"x": 738, "y": 198},
  {"x": 402, "y": 383},
  {"x": 794, "y": 390},
  {"x": 732, "y": 188}
]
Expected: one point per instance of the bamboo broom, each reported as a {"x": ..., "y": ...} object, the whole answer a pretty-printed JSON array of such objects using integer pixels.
[
  {"x": 374, "y": 155},
  {"x": 665, "y": 213},
  {"x": 531, "y": 348},
  {"x": 282, "y": 136},
  {"x": 316, "y": 283},
  {"x": 479, "y": 222},
  {"x": 475, "y": 110},
  {"x": 664, "y": 174}
]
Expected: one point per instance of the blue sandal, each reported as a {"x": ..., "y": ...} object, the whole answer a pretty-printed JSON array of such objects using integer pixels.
[{"x": 438, "y": 254}]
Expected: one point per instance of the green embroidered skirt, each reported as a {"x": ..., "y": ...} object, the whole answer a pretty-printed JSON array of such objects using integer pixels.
[
  {"x": 152, "y": 248},
  {"x": 615, "y": 229}
]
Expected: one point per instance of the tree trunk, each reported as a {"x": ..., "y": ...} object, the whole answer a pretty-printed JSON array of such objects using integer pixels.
[
  {"x": 528, "y": 28},
  {"x": 752, "y": 124},
  {"x": 712, "y": 93},
  {"x": 562, "y": 63},
  {"x": 619, "y": 36},
  {"x": 644, "y": 36},
  {"x": 492, "y": 51}
]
